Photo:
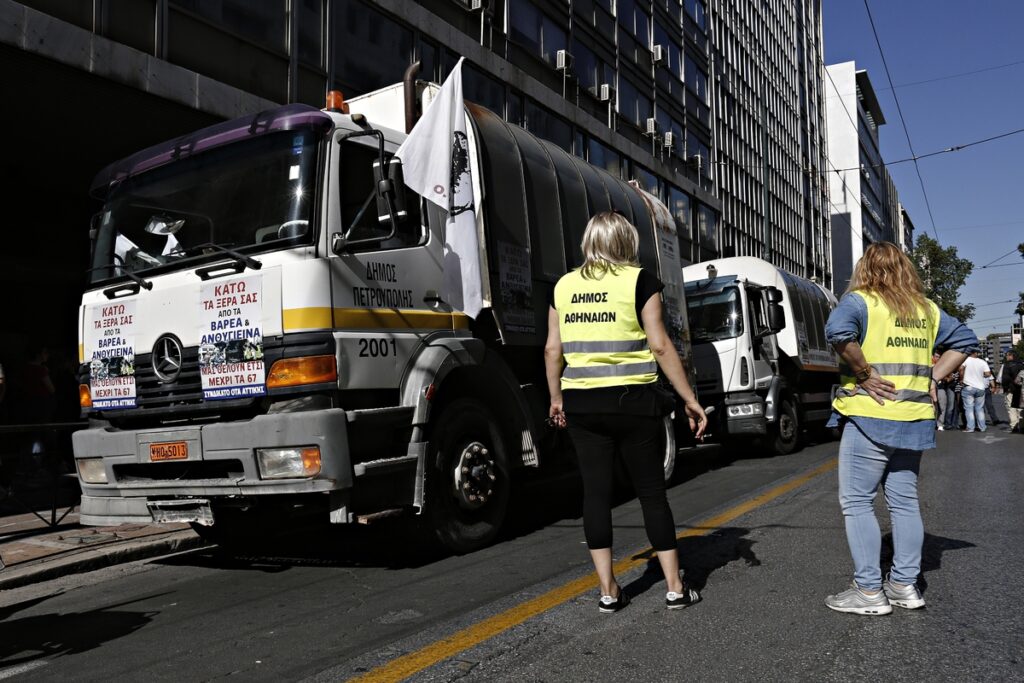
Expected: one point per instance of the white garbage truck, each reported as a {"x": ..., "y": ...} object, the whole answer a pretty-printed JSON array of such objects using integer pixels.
[
  {"x": 264, "y": 329},
  {"x": 760, "y": 353}
]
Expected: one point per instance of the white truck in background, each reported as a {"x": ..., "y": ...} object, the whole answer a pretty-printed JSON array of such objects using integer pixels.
[
  {"x": 760, "y": 354},
  {"x": 263, "y": 331}
]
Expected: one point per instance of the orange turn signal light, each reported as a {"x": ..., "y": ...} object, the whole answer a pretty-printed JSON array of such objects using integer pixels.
[
  {"x": 292, "y": 372},
  {"x": 84, "y": 396}
]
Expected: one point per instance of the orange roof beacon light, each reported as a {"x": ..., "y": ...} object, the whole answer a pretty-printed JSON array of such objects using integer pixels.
[{"x": 336, "y": 102}]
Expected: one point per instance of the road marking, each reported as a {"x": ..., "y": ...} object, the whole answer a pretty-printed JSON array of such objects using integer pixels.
[
  {"x": 21, "y": 668},
  {"x": 407, "y": 665}
]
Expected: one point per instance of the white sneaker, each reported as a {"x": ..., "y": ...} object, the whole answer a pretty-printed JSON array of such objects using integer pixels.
[{"x": 941, "y": 428}]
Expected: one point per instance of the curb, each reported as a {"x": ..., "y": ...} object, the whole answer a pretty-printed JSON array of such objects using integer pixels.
[{"x": 98, "y": 558}]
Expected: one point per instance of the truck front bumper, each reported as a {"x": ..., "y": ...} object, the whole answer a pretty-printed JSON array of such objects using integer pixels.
[
  {"x": 221, "y": 463},
  {"x": 743, "y": 415}
]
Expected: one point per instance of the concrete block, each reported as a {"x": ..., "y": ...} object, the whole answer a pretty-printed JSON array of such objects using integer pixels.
[
  {"x": 170, "y": 81},
  {"x": 57, "y": 40},
  {"x": 119, "y": 63},
  {"x": 12, "y": 23}
]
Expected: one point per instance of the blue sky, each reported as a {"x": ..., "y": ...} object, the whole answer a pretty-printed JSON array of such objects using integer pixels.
[{"x": 975, "y": 194}]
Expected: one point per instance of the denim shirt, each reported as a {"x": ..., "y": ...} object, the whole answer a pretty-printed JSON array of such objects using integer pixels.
[{"x": 848, "y": 322}]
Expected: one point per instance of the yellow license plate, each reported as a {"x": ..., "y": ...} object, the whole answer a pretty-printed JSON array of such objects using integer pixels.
[{"x": 172, "y": 450}]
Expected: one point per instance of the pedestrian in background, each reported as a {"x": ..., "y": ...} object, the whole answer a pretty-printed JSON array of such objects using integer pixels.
[
  {"x": 885, "y": 332},
  {"x": 1011, "y": 390},
  {"x": 977, "y": 378},
  {"x": 939, "y": 396},
  {"x": 952, "y": 399},
  {"x": 606, "y": 326},
  {"x": 990, "y": 408}
]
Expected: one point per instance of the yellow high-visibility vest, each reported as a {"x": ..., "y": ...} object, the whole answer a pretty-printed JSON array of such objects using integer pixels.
[
  {"x": 901, "y": 351},
  {"x": 602, "y": 340}
]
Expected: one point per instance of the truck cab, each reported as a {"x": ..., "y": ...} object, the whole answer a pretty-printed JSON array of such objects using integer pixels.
[{"x": 760, "y": 351}]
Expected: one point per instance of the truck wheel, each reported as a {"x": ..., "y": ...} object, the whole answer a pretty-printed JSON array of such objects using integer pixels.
[
  {"x": 786, "y": 432},
  {"x": 467, "y": 496}
]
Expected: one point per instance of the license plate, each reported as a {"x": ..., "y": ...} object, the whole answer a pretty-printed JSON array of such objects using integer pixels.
[{"x": 173, "y": 450}]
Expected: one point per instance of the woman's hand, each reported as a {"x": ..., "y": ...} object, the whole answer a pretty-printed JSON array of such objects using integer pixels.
[
  {"x": 698, "y": 419},
  {"x": 556, "y": 416},
  {"x": 878, "y": 388}
]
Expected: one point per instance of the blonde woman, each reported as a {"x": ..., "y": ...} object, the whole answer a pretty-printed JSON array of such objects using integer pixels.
[
  {"x": 605, "y": 328},
  {"x": 885, "y": 331}
]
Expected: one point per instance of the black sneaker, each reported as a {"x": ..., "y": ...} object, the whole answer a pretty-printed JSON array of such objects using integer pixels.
[
  {"x": 675, "y": 600},
  {"x": 608, "y": 604}
]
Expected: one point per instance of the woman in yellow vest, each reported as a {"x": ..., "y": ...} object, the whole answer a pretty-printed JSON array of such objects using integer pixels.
[
  {"x": 606, "y": 325},
  {"x": 885, "y": 330}
]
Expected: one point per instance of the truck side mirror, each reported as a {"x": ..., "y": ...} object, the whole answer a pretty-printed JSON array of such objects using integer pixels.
[
  {"x": 774, "y": 295},
  {"x": 394, "y": 185},
  {"x": 776, "y": 316}
]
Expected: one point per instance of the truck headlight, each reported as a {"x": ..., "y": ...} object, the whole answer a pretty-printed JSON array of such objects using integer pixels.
[
  {"x": 91, "y": 470},
  {"x": 288, "y": 463},
  {"x": 745, "y": 410}
]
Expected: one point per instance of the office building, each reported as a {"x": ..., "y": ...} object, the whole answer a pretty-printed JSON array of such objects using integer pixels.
[
  {"x": 865, "y": 204},
  {"x": 714, "y": 105}
]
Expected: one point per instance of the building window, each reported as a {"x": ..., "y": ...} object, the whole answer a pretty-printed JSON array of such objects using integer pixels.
[
  {"x": 632, "y": 105},
  {"x": 546, "y": 125},
  {"x": 673, "y": 52},
  {"x": 263, "y": 23},
  {"x": 695, "y": 8},
  {"x": 310, "y": 16},
  {"x": 636, "y": 22},
  {"x": 707, "y": 225},
  {"x": 604, "y": 157},
  {"x": 695, "y": 147},
  {"x": 696, "y": 79},
  {"x": 591, "y": 70},
  {"x": 647, "y": 180},
  {"x": 372, "y": 50},
  {"x": 679, "y": 205},
  {"x": 484, "y": 90},
  {"x": 534, "y": 30}
]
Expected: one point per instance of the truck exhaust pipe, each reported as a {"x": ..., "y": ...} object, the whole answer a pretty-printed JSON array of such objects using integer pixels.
[{"x": 409, "y": 82}]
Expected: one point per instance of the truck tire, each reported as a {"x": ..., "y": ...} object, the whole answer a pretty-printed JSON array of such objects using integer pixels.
[
  {"x": 785, "y": 435},
  {"x": 467, "y": 494}
]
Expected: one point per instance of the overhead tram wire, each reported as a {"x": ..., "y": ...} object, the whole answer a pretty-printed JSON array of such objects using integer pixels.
[
  {"x": 906, "y": 131},
  {"x": 959, "y": 75},
  {"x": 1012, "y": 251}
]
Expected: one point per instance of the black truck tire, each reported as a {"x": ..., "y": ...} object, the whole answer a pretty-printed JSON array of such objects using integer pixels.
[
  {"x": 784, "y": 437},
  {"x": 468, "y": 479}
]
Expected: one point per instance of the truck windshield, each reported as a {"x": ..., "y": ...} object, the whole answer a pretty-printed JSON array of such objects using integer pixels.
[
  {"x": 714, "y": 315},
  {"x": 250, "y": 196}
]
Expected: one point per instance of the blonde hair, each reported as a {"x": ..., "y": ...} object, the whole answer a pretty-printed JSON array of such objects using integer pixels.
[
  {"x": 888, "y": 273},
  {"x": 609, "y": 242}
]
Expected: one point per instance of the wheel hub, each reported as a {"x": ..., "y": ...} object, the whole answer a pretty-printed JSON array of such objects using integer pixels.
[{"x": 474, "y": 476}]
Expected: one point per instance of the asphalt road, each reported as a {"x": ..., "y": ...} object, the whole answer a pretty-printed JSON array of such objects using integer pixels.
[{"x": 337, "y": 606}]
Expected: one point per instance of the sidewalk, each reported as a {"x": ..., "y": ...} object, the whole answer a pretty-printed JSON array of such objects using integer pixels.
[{"x": 33, "y": 551}]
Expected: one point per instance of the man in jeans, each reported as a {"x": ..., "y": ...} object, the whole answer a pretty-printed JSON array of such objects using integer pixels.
[
  {"x": 977, "y": 378},
  {"x": 1011, "y": 366}
]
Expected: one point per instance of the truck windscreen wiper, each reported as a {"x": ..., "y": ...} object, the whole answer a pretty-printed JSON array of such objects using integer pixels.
[
  {"x": 241, "y": 260},
  {"x": 140, "y": 281}
]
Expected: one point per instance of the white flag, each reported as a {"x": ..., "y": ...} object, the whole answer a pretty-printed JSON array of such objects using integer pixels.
[{"x": 435, "y": 162}]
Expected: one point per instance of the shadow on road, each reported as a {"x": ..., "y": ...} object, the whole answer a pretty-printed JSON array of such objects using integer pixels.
[
  {"x": 700, "y": 556},
  {"x": 931, "y": 556},
  {"x": 30, "y": 638}
]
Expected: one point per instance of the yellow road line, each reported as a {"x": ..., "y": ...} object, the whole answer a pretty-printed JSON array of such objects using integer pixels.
[{"x": 414, "y": 662}]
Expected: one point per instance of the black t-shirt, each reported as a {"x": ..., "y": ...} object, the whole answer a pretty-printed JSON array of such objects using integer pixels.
[{"x": 628, "y": 399}]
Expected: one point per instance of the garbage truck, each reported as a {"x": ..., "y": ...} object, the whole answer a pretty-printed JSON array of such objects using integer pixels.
[
  {"x": 264, "y": 333},
  {"x": 759, "y": 350}
]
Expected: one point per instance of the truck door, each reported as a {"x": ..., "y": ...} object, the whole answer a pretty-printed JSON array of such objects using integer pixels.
[{"x": 385, "y": 296}]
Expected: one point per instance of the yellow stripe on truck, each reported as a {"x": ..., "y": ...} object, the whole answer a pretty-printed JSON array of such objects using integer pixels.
[{"x": 371, "y": 318}]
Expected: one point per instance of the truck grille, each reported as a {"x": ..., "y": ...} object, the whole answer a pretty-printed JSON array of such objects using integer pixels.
[{"x": 152, "y": 393}]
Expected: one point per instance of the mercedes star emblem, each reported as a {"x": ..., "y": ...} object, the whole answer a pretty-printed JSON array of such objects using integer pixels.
[{"x": 166, "y": 358}]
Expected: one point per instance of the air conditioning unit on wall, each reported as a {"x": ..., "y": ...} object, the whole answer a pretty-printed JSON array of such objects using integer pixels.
[
  {"x": 563, "y": 60},
  {"x": 659, "y": 54},
  {"x": 668, "y": 141},
  {"x": 651, "y": 127},
  {"x": 606, "y": 93}
]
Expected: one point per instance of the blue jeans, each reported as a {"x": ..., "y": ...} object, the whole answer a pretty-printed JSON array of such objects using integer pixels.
[
  {"x": 951, "y": 409},
  {"x": 863, "y": 465},
  {"x": 974, "y": 407}
]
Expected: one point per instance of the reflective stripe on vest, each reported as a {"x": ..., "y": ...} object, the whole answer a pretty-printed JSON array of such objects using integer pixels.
[
  {"x": 901, "y": 352},
  {"x": 602, "y": 341}
]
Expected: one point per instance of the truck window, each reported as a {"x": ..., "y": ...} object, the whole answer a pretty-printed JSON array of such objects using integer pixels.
[
  {"x": 359, "y": 201},
  {"x": 255, "y": 195},
  {"x": 715, "y": 315}
]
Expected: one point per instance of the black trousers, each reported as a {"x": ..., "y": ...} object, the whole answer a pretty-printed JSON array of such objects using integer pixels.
[{"x": 598, "y": 438}]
